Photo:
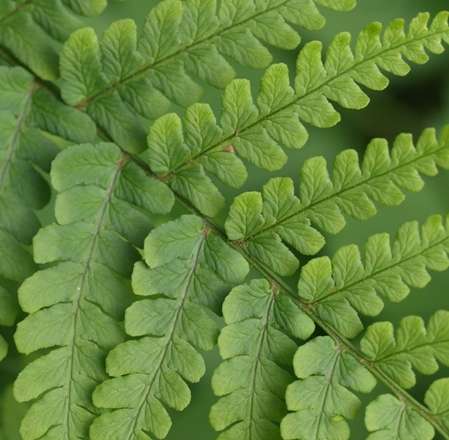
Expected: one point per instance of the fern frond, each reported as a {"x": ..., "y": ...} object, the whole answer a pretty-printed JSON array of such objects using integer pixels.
[
  {"x": 257, "y": 222},
  {"x": 389, "y": 418},
  {"x": 335, "y": 289},
  {"x": 250, "y": 382},
  {"x": 102, "y": 209},
  {"x": 413, "y": 346},
  {"x": 168, "y": 148},
  {"x": 124, "y": 76},
  {"x": 189, "y": 268},
  {"x": 436, "y": 399},
  {"x": 26, "y": 28},
  {"x": 26, "y": 108},
  {"x": 320, "y": 399},
  {"x": 255, "y": 132},
  {"x": 380, "y": 177}
]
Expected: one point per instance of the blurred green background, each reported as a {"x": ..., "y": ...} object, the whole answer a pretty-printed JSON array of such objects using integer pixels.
[{"x": 409, "y": 105}]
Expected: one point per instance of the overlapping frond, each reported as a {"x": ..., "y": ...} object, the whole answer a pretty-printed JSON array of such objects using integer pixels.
[
  {"x": 250, "y": 382},
  {"x": 255, "y": 132},
  {"x": 26, "y": 29},
  {"x": 123, "y": 75},
  {"x": 75, "y": 306},
  {"x": 336, "y": 288},
  {"x": 320, "y": 400},
  {"x": 26, "y": 110},
  {"x": 414, "y": 345},
  {"x": 188, "y": 269}
]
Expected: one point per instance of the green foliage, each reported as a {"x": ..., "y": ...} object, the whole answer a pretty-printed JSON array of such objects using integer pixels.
[
  {"x": 346, "y": 284},
  {"x": 122, "y": 76},
  {"x": 123, "y": 290},
  {"x": 320, "y": 400},
  {"x": 192, "y": 269},
  {"x": 252, "y": 345}
]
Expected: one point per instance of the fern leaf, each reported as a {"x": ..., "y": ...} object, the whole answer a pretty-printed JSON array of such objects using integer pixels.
[
  {"x": 25, "y": 108},
  {"x": 250, "y": 382},
  {"x": 184, "y": 274},
  {"x": 390, "y": 419},
  {"x": 240, "y": 130},
  {"x": 255, "y": 132},
  {"x": 77, "y": 304},
  {"x": 124, "y": 73},
  {"x": 167, "y": 150},
  {"x": 335, "y": 289},
  {"x": 413, "y": 346},
  {"x": 251, "y": 217},
  {"x": 279, "y": 214},
  {"x": 436, "y": 399},
  {"x": 320, "y": 399},
  {"x": 21, "y": 187},
  {"x": 25, "y": 29}
]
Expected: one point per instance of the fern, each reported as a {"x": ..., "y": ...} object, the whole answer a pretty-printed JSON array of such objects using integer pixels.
[
  {"x": 86, "y": 286},
  {"x": 124, "y": 288},
  {"x": 123, "y": 76},
  {"x": 152, "y": 366}
]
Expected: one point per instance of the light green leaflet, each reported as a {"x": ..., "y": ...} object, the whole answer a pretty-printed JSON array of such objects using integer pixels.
[
  {"x": 414, "y": 345},
  {"x": 320, "y": 401},
  {"x": 76, "y": 305},
  {"x": 250, "y": 382},
  {"x": 390, "y": 419},
  {"x": 189, "y": 269},
  {"x": 336, "y": 288},
  {"x": 252, "y": 221},
  {"x": 436, "y": 399}
]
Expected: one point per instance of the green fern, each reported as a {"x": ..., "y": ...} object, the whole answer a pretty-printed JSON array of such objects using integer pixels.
[
  {"x": 119, "y": 311},
  {"x": 86, "y": 287},
  {"x": 122, "y": 76},
  {"x": 183, "y": 275}
]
